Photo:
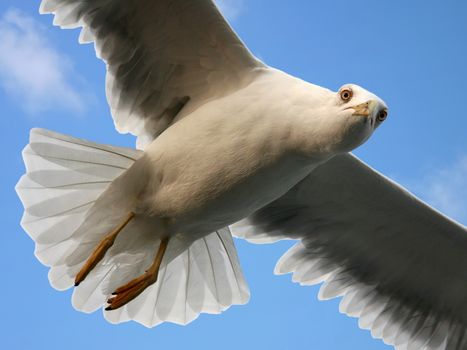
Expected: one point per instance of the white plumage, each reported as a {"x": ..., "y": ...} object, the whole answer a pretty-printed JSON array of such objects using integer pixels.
[
  {"x": 398, "y": 264},
  {"x": 228, "y": 141},
  {"x": 62, "y": 192}
]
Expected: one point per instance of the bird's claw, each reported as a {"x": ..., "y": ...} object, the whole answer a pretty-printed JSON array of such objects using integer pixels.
[{"x": 124, "y": 294}]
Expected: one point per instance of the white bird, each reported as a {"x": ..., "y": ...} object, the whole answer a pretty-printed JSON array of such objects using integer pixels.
[{"x": 229, "y": 144}]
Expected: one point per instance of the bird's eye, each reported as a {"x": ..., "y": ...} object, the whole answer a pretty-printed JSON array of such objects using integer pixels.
[
  {"x": 346, "y": 94},
  {"x": 382, "y": 115}
]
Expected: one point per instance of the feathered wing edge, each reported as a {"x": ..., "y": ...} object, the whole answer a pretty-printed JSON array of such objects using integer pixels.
[
  {"x": 67, "y": 213},
  {"x": 384, "y": 315},
  {"x": 370, "y": 228},
  {"x": 159, "y": 55}
]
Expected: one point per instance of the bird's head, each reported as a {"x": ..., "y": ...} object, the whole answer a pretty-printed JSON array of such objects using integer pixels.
[
  {"x": 362, "y": 104},
  {"x": 356, "y": 114}
]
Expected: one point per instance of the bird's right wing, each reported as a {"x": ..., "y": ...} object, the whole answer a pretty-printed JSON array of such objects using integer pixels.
[
  {"x": 162, "y": 56},
  {"x": 400, "y": 265}
]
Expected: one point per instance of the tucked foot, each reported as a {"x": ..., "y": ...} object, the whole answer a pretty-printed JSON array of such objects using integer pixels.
[
  {"x": 131, "y": 290},
  {"x": 126, "y": 293},
  {"x": 100, "y": 251}
]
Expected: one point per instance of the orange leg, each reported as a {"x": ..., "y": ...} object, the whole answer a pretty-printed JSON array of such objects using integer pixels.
[
  {"x": 135, "y": 287},
  {"x": 100, "y": 251}
]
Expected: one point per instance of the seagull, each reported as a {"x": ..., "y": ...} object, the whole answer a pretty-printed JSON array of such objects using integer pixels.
[{"x": 229, "y": 146}]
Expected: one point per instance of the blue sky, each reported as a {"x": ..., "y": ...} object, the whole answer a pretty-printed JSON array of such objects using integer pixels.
[{"x": 412, "y": 54}]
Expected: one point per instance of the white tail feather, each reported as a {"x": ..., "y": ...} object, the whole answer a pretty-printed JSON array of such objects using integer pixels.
[
  {"x": 205, "y": 278},
  {"x": 64, "y": 178},
  {"x": 70, "y": 205}
]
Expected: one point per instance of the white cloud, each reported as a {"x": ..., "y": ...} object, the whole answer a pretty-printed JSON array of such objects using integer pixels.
[
  {"x": 31, "y": 70},
  {"x": 446, "y": 189},
  {"x": 230, "y": 8}
]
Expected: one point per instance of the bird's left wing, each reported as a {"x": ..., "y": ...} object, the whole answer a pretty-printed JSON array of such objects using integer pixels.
[
  {"x": 162, "y": 56},
  {"x": 400, "y": 265}
]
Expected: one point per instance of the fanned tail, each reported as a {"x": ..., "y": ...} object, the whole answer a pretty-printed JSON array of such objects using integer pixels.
[
  {"x": 64, "y": 178},
  {"x": 72, "y": 198},
  {"x": 204, "y": 278}
]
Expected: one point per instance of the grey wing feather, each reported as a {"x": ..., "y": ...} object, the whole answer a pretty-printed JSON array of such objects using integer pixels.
[
  {"x": 400, "y": 265},
  {"x": 162, "y": 56}
]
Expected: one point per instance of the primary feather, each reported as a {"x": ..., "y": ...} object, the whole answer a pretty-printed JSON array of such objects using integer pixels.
[
  {"x": 400, "y": 266},
  {"x": 160, "y": 56}
]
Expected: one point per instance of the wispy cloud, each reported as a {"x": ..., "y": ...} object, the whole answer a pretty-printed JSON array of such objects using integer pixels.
[
  {"x": 31, "y": 70},
  {"x": 230, "y": 8},
  {"x": 446, "y": 189}
]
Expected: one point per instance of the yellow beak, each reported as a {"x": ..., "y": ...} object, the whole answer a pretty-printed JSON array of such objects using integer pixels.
[{"x": 364, "y": 109}]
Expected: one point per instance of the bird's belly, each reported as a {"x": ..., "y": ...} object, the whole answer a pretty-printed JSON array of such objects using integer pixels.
[
  {"x": 208, "y": 205},
  {"x": 225, "y": 160}
]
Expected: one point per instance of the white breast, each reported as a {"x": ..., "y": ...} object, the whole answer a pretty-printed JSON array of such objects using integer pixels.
[{"x": 224, "y": 161}]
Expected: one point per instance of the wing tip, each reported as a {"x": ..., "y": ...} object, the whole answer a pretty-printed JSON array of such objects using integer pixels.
[{"x": 45, "y": 7}]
